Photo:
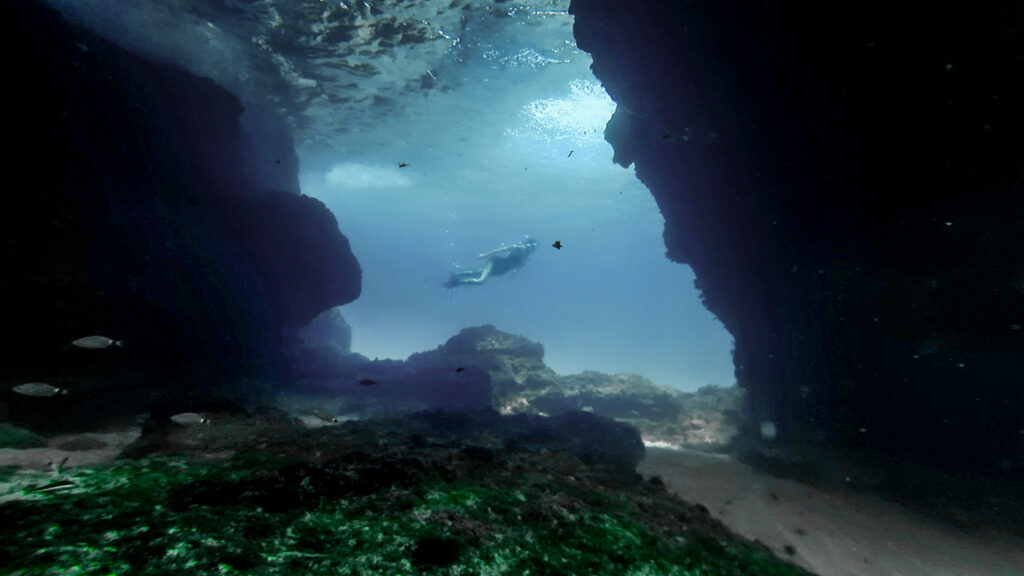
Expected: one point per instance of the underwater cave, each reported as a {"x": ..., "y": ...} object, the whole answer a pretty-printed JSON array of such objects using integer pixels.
[{"x": 513, "y": 243}]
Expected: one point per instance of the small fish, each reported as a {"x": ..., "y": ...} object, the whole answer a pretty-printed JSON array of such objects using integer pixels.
[
  {"x": 278, "y": 161},
  {"x": 38, "y": 389},
  {"x": 189, "y": 418},
  {"x": 52, "y": 487},
  {"x": 367, "y": 382},
  {"x": 326, "y": 419},
  {"x": 460, "y": 369},
  {"x": 570, "y": 153},
  {"x": 95, "y": 343},
  {"x": 557, "y": 245},
  {"x": 403, "y": 164}
]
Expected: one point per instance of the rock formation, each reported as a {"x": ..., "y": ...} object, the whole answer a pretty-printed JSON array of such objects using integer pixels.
[
  {"x": 138, "y": 216},
  {"x": 523, "y": 384},
  {"x": 847, "y": 186}
]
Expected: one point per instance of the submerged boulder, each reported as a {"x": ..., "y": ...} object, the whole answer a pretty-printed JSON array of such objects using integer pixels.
[{"x": 523, "y": 384}]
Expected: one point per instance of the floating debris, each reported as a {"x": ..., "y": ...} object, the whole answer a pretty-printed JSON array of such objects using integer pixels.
[
  {"x": 367, "y": 382},
  {"x": 557, "y": 245},
  {"x": 38, "y": 389},
  {"x": 58, "y": 467},
  {"x": 95, "y": 343},
  {"x": 189, "y": 418},
  {"x": 460, "y": 368},
  {"x": 403, "y": 164},
  {"x": 570, "y": 153}
]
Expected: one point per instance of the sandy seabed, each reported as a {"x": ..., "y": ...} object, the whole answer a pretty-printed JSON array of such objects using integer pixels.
[
  {"x": 70, "y": 451},
  {"x": 831, "y": 533}
]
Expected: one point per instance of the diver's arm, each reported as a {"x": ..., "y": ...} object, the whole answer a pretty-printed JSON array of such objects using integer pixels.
[{"x": 496, "y": 251}]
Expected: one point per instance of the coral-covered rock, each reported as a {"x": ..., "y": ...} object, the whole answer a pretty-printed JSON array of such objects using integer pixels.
[
  {"x": 513, "y": 362},
  {"x": 523, "y": 384}
]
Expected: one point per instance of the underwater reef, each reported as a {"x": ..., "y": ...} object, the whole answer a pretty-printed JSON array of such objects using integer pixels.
[
  {"x": 484, "y": 367},
  {"x": 433, "y": 493},
  {"x": 707, "y": 419},
  {"x": 847, "y": 186}
]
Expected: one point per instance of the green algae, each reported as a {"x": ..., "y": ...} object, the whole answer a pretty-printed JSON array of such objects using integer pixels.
[{"x": 153, "y": 516}]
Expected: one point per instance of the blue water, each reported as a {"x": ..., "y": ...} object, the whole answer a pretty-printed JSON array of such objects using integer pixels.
[
  {"x": 485, "y": 113},
  {"x": 487, "y": 165}
]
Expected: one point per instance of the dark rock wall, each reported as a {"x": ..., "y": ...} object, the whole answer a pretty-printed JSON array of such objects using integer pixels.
[
  {"x": 131, "y": 211},
  {"x": 848, "y": 184}
]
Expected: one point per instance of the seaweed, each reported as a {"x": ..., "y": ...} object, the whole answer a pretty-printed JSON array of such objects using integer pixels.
[{"x": 150, "y": 516}]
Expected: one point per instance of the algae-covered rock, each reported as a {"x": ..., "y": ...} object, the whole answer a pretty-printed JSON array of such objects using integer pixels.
[{"x": 437, "y": 493}]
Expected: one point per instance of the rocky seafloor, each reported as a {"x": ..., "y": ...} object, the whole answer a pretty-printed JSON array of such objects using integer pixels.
[
  {"x": 473, "y": 458},
  {"x": 483, "y": 366},
  {"x": 437, "y": 492}
]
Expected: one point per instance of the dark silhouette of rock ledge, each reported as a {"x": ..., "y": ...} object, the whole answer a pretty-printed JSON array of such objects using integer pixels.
[
  {"x": 145, "y": 222},
  {"x": 847, "y": 186},
  {"x": 476, "y": 436}
]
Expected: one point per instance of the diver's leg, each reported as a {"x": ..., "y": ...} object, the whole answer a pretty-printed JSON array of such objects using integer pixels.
[
  {"x": 463, "y": 277},
  {"x": 485, "y": 272},
  {"x": 480, "y": 275}
]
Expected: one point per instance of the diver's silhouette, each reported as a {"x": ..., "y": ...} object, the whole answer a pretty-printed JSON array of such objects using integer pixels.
[{"x": 499, "y": 261}]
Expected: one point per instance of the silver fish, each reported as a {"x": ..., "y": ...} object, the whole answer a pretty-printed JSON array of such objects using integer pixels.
[
  {"x": 96, "y": 343},
  {"x": 38, "y": 389},
  {"x": 325, "y": 419},
  {"x": 56, "y": 486},
  {"x": 188, "y": 418}
]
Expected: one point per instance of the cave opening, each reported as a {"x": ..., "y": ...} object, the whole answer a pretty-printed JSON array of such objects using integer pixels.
[
  {"x": 507, "y": 143},
  {"x": 435, "y": 133}
]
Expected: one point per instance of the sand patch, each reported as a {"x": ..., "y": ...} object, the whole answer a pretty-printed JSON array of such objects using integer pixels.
[
  {"x": 832, "y": 533},
  {"x": 79, "y": 450}
]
